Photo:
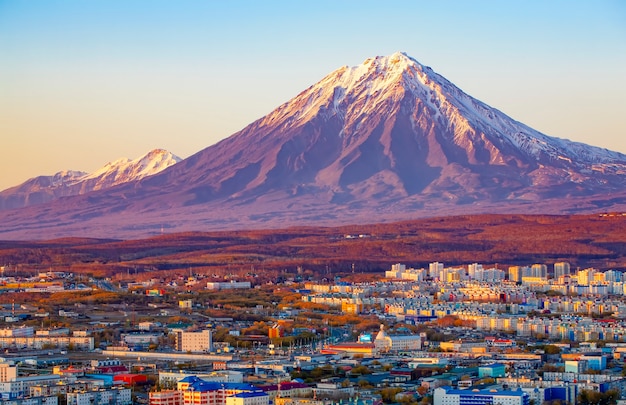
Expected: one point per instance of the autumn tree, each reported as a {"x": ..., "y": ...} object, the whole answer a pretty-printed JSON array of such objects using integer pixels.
[
  {"x": 590, "y": 397},
  {"x": 388, "y": 395}
]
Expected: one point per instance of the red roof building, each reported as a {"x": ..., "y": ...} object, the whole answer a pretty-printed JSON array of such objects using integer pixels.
[{"x": 131, "y": 379}]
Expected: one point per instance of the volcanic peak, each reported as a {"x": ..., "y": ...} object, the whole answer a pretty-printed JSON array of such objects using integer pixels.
[{"x": 387, "y": 139}]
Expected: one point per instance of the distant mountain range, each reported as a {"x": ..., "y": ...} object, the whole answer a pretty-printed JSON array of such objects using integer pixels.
[
  {"x": 386, "y": 140},
  {"x": 43, "y": 189}
]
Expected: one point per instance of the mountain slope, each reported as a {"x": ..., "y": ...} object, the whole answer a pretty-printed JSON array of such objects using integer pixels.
[
  {"x": 42, "y": 189},
  {"x": 386, "y": 140},
  {"x": 393, "y": 126}
]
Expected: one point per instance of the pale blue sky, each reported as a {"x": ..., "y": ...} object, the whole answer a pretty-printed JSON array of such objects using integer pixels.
[{"x": 83, "y": 83}]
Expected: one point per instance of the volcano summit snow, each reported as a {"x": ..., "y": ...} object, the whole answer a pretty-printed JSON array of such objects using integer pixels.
[{"x": 386, "y": 140}]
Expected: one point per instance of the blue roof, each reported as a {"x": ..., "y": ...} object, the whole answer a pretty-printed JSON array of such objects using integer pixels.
[
  {"x": 107, "y": 378},
  {"x": 200, "y": 385},
  {"x": 190, "y": 379},
  {"x": 250, "y": 394},
  {"x": 517, "y": 393}
]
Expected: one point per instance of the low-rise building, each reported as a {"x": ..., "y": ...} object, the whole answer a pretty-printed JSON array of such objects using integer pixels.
[
  {"x": 248, "y": 398},
  {"x": 492, "y": 370},
  {"x": 211, "y": 285},
  {"x": 102, "y": 396},
  {"x": 448, "y": 396}
]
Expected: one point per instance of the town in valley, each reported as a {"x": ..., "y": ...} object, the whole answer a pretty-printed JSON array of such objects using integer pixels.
[{"x": 519, "y": 335}]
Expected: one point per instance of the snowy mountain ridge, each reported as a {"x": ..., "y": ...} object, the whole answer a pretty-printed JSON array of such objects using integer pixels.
[
  {"x": 66, "y": 177},
  {"x": 124, "y": 170},
  {"x": 67, "y": 183}
]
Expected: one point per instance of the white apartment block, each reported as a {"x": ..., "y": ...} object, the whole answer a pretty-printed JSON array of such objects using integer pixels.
[
  {"x": 539, "y": 270},
  {"x": 561, "y": 269},
  {"x": 50, "y": 400},
  {"x": 194, "y": 342},
  {"x": 396, "y": 271},
  {"x": 447, "y": 396},
  {"x": 38, "y": 342},
  {"x": 114, "y": 396},
  {"x": 24, "y": 331},
  {"x": 228, "y": 285},
  {"x": 13, "y": 386},
  {"x": 434, "y": 269}
]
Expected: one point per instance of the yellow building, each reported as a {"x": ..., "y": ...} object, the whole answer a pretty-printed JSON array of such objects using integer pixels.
[
  {"x": 365, "y": 349},
  {"x": 351, "y": 307}
]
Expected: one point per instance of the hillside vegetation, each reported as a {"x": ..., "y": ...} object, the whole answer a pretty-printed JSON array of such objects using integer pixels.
[{"x": 584, "y": 241}]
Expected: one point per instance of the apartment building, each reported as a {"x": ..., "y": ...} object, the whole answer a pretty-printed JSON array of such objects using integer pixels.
[{"x": 194, "y": 342}]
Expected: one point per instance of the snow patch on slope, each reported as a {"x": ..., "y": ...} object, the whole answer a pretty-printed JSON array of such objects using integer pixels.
[
  {"x": 124, "y": 170},
  {"x": 43, "y": 189}
]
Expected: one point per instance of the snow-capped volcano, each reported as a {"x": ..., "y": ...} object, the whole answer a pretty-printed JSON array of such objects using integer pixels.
[
  {"x": 392, "y": 127},
  {"x": 388, "y": 139},
  {"x": 43, "y": 189},
  {"x": 387, "y": 89}
]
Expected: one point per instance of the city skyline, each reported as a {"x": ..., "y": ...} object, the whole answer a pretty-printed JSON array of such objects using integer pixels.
[{"x": 86, "y": 83}]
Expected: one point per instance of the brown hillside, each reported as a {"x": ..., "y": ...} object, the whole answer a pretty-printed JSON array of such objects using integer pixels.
[{"x": 585, "y": 240}]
